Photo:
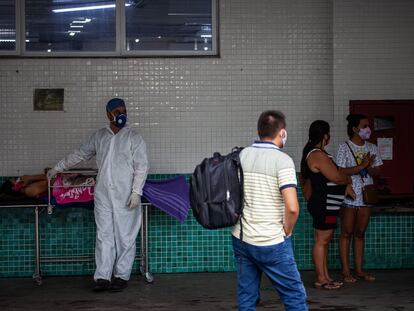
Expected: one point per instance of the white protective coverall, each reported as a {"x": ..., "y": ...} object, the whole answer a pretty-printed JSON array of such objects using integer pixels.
[{"x": 122, "y": 168}]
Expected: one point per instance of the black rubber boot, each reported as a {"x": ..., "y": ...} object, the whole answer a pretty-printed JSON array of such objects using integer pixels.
[
  {"x": 101, "y": 285},
  {"x": 118, "y": 285}
]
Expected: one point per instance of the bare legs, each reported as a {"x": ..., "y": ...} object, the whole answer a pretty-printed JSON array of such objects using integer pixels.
[
  {"x": 320, "y": 258},
  {"x": 354, "y": 222},
  {"x": 348, "y": 216},
  {"x": 361, "y": 225}
]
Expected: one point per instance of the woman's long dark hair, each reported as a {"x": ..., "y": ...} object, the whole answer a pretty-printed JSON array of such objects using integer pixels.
[{"x": 317, "y": 130}]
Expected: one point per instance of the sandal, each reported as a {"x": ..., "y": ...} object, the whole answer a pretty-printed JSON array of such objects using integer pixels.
[
  {"x": 349, "y": 278},
  {"x": 336, "y": 283},
  {"x": 326, "y": 286},
  {"x": 366, "y": 277}
]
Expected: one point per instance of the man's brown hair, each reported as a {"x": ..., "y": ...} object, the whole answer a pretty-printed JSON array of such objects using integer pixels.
[{"x": 270, "y": 123}]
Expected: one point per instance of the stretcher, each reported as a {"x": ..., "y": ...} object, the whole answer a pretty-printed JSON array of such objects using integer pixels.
[{"x": 49, "y": 204}]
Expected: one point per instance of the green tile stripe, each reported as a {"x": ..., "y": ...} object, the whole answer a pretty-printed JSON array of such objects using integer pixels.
[{"x": 175, "y": 247}]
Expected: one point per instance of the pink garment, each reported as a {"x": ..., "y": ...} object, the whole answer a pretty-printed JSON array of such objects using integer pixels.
[
  {"x": 18, "y": 185},
  {"x": 64, "y": 194}
]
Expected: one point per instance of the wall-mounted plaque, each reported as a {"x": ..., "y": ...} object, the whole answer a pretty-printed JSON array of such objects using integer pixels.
[{"x": 48, "y": 99}]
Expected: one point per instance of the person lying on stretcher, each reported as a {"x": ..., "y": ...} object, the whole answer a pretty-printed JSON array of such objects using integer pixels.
[
  {"x": 32, "y": 186},
  {"x": 35, "y": 186}
]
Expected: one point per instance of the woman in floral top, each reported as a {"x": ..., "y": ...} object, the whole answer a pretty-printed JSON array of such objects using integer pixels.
[{"x": 360, "y": 160}]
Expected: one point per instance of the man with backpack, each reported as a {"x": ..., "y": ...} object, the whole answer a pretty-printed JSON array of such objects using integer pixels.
[{"x": 262, "y": 237}]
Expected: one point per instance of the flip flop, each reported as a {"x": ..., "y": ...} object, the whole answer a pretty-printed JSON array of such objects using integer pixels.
[
  {"x": 366, "y": 277},
  {"x": 326, "y": 286},
  {"x": 337, "y": 283},
  {"x": 349, "y": 278}
]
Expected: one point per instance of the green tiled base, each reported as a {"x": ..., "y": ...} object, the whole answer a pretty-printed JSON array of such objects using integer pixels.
[
  {"x": 175, "y": 247},
  {"x": 187, "y": 248}
]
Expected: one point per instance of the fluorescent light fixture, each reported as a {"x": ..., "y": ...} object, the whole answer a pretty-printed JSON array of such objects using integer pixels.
[
  {"x": 87, "y": 20},
  {"x": 7, "y": 32},
  {"x": 73, "y": 32},
  {"x": 87, "y": 8},
  {"x": 188, "y": 14},
  {"x": 7, "y": 40},
  {"x": 206, "y": 36},
  {"x": 76, "y": 26},
  {"x": 27, "y": 40}
]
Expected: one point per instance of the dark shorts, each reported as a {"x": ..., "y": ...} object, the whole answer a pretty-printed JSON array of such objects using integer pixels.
[
  {"x": 323, "y": 219},
  {"x": 354, "y": 206}
]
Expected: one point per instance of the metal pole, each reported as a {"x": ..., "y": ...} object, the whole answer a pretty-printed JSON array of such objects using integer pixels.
[
  {"x": 142, "y": 251},
  {"x": 50, "y": 259},
  {"x": 146, "y": 237},
  {"x": 37, "y": 276},
  {"x": 49, "y": 206}
]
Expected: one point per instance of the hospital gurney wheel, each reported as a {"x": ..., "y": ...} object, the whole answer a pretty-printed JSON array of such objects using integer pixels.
[
  {"x": 38, "y": 279},
  {"x": 149, "y": 277}
]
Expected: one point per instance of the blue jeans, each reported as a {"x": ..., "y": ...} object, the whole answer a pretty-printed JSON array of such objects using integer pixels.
[{"x": 278, "y": 263}]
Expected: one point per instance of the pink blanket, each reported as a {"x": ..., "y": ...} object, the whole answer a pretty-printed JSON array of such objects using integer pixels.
[{"x": 65, "y": 194}]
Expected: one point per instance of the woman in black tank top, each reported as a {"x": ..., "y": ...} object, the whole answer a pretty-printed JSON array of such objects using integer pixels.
[
  {"x": 326, "y": 198},
  {"x": 328, "y": 188}
]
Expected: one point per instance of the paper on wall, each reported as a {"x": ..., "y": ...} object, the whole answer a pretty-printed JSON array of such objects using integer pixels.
[{"x": 385, "y": 148}]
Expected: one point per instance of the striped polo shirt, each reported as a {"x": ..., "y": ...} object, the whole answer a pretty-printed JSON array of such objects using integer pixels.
[{"x": 266, "y": 170}]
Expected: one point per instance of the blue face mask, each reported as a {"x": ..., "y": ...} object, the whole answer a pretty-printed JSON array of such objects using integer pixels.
[{"x": 120, "y": 120}]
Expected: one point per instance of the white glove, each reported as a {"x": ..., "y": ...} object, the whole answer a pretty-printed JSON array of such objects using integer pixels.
[
  {"x": 133, "y": 200},
  {"x": 51, "y": 173}
]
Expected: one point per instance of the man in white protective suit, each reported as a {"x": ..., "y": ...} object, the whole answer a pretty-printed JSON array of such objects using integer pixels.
[{"x": 122, "y": 169}]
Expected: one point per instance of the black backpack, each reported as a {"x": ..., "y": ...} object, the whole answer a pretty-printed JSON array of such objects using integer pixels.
[{"x": 216, "y": 190}]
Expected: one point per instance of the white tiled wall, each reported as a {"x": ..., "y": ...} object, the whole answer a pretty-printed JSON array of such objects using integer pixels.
[
  {"x": 274, "y": 54},
  {"x": 373, "y": 53}
]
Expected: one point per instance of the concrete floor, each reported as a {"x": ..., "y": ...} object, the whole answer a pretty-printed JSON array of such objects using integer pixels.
[{"x": 393, "y": 290}]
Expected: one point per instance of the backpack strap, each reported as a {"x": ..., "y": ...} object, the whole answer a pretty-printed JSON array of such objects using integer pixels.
[
  {"x": 242, "y": 195},
  {"x": 241, "y": 180}
]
